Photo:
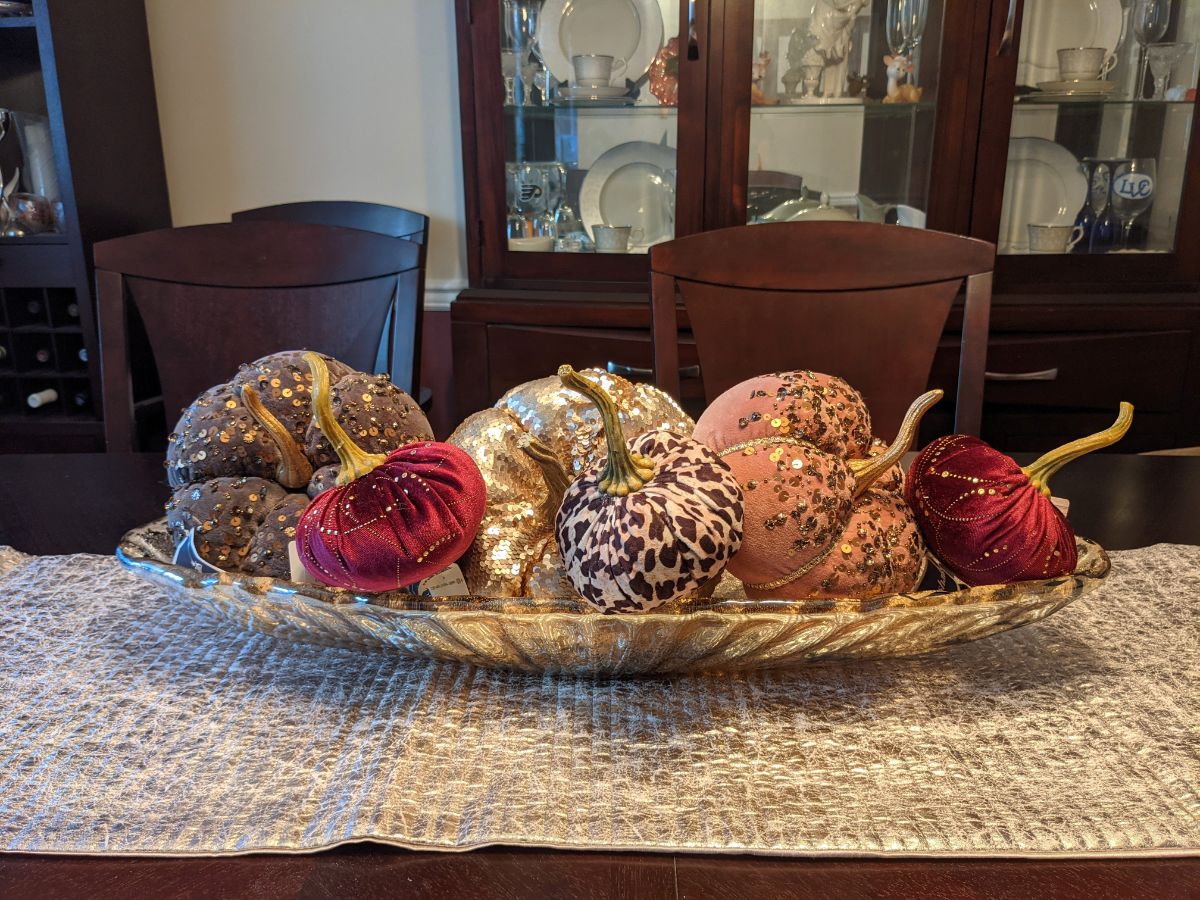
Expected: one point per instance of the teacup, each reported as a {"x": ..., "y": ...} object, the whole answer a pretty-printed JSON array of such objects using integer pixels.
[
  {"x": 1084, "y": 63},
  {"x": 594, "y": 70},
  {"x": 1053, "y": 238},
  {"x": 615, "y": 238}
]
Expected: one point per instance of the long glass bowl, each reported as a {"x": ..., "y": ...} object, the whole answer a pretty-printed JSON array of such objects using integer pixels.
[{"x": 563, "y": 635}]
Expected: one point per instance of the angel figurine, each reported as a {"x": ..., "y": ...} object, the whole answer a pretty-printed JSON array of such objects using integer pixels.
[{"x": 831, "y": 27}]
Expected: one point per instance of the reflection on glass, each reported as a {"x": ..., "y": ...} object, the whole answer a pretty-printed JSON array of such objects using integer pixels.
[
  {"x": 837, "y": 111},
  {"x": 590, "y": 121}
]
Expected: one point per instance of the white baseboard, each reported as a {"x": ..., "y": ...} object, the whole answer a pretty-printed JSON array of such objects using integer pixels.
[{"x": 439, "y": 296}]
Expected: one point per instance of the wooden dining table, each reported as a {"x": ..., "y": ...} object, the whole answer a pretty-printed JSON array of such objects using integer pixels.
[{"x": 83, "y": 503}]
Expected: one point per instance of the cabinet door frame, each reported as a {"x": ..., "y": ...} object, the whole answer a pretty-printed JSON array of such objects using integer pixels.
[
  {"x": 1055, "y": 273},
  {"x": 956, "y": 128},
  {"x": 481, "y": 98}
]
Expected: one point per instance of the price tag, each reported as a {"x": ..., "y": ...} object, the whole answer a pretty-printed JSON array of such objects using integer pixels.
[
  {"x": 187, "y": 555},
  {"x": 1062, "y": 504}
]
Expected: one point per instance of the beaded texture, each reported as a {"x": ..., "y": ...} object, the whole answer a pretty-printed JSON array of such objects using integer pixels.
[
  {"x": 983, "y": 518},
  {"x": 407, "y": 519}
]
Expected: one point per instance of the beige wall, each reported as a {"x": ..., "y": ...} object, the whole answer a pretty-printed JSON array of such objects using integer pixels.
[{"x": 269, "y": 101}]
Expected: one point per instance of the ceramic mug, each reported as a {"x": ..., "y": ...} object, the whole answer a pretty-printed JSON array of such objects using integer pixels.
[
  {"x": 1084, "y": 63},
  {"x": 1053, "y": 238},
  {"x": 615, "y": 238},
  {"x": 595, "y": 70}
]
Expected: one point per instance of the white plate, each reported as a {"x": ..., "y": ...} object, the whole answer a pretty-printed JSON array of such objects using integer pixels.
[
  {"x": 586, "y": 93},
  {"x": 1098, "y": 88},
  {"x": 629, "y": 29},
  {"x": 1043, "y": 185},
  {"x": 630, "y": 185},
  {"x": 1051, "y": 25}
]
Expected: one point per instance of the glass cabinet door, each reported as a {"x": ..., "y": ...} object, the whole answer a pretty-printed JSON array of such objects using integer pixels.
[
  {"x": 843, "y": 109},
  {"x": 590, "y": 118},
  {"x": 1101, "y": 126}
]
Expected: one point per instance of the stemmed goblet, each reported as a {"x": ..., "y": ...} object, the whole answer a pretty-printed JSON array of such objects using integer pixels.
[
  {"x": 1132, "y": 192},
  {"x": 1163, "y": 58},
  {"x": 905, "y": 27},
  {"x": 1150, "y": 20}
]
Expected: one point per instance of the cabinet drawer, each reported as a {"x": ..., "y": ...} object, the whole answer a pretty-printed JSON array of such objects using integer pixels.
[
  {"x": 36, "y": 265},
  {"x": 518, "y": 354},
  {"x": 1080, "y": 371}
]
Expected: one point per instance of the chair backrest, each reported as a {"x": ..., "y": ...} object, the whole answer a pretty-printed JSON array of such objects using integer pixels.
[
  {"x": 214, "y": 296},
  {"x": 864, "y": 301},
  {"x": 404, "y": 342}
]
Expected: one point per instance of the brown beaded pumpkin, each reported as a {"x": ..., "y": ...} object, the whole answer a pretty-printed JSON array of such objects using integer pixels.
[
  {"x": 529, "y": 446},
  {"x": 246, "y": 456}
]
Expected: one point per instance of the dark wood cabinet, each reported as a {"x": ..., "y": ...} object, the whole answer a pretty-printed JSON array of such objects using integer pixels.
[
  {"x": 1072, "y": 333},
  {"x": 77, "y": 88}
]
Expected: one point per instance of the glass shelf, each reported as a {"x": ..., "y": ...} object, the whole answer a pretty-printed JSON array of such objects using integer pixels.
[
  {"x": 1034, "y": 100},
  {"x": 549, "y": 113},
  {"x": 870, "y": 107}
]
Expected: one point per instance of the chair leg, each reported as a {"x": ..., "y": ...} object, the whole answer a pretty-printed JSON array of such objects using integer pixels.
[
  {"x": 968, "y": 410},
  {"x": 665, "y": 333},
  {"x": 116, "y": 380}
]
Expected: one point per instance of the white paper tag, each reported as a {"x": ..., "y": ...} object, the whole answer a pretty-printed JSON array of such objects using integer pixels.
[
  {"x": 187, "y": 555},
  {"x": 299, "y": 574},
  {"x": 1062, "y": 504}
]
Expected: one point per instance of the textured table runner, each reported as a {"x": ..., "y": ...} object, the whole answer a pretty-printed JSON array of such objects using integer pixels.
[{"x": 133, "y": 724}]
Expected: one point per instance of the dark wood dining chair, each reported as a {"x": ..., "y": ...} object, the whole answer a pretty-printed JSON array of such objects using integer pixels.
[
  {"x": 381, "y": 219},
  {"x": 864, "y": 301},
  {"x": 211, "y": 297}
]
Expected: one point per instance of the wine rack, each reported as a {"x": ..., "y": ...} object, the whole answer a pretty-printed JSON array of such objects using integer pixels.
[{"x": 42, "y": 350}]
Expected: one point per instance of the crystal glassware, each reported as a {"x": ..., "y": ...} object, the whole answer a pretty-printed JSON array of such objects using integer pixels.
[
  {"x": 1104, "y": 229},
  {"x": 1086, "y": 219},
  {"x": 1150, "y": 20},
  {"x": 1132, "y": 192},
  {"x": 1163, "y": 58}
]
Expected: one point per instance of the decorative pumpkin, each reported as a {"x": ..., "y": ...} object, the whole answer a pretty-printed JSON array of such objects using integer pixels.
[
  {"x": 391, "y": 520},
  {"x": 258, "y": 428},
  {"x": 527, "y": 448},
  {"x": 655, "y": 521},
  {"x": 988, "y": 520},
  {"x": 825, "y": 516}
]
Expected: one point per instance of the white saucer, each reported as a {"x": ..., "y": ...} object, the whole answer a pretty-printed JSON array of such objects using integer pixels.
[
  {"x": 1077, "y": 88},
  {"x": 610, "y": 92}
]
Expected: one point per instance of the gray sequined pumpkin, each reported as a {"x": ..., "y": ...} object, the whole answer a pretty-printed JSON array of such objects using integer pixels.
[
  {"x": 655, "y": 521},
  {"x": 246, "y": 456}
]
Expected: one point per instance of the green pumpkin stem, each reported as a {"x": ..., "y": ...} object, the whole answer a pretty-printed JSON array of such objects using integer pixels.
[
  {"x": 294, "y": 469},
  {"x": 356, "y": 462},
  {"x": 556, "y": 477},
  {"x": 624, "y": 471},
  {"x": 867, "y": 471},
  {"x": 1043, "y": 469}
]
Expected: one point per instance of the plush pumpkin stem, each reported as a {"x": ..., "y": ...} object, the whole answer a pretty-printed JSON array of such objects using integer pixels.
[
  {"x": 556, "y": 477},
  {"x": 294, "y": 469},
  {"x": 867, "y": 471},
  {"x": 1041, "y": 470},
  {"x": 624, "y": 471},
  {"x": 356, "y": 462}
]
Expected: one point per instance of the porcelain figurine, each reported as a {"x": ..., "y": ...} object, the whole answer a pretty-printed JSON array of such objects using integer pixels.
[
  {"x": 831, "y": 29},
  {"x": 899, "y": 70}
]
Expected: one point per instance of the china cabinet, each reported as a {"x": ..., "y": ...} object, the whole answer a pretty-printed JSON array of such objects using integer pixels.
[
  {"x": 80, "y": 144},
  {"x": 600, "y": 125}
]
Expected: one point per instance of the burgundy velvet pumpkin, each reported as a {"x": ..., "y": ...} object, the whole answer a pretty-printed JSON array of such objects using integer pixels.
[
  {"x": 390, "y": 521},
  {"x": 988, "y": 520}
]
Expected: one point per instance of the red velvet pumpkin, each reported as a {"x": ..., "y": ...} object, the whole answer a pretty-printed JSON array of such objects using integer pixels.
[
  {"x": 988, "y": 520},
  {"x": 390, "y": 521}
]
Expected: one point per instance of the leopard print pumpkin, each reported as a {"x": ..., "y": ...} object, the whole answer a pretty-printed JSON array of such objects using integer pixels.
[{"x": 657, "y": 520}]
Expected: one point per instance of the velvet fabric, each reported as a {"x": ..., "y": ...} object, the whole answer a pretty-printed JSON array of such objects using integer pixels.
[
  {"x": 983, "y": 518},
  {"x": 407, "y": 519}
]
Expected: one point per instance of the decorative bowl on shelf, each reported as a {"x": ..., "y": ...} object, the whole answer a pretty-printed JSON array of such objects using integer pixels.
[{"x": 724, "y": 632}]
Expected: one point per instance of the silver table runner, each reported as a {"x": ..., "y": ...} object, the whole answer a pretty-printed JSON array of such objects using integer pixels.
[{"x": 132, "y": 725}]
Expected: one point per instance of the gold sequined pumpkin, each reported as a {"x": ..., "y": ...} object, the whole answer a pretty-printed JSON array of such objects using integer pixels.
[
  {"x": 824, "y": 509},
  {"x": 528, "y": 446},
  {"x": 243, "y": 454}
]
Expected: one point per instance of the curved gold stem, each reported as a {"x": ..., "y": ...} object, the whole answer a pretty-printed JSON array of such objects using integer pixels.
[
  {"x": 624, "y": 471},
  {"x": 867, "y": 471},
  {"x": 556, "y": 477},
  {"x": 356, "y": 462},
  {"x": 294, "y": 468},
  {"x": 1042, "y": 469}
]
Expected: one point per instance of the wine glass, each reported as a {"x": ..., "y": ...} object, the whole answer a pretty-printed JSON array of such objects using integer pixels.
[
  {"x": 1132, "y": 192},
  {"x": 905, "y": 25},
  {"x": 1104, "y": 229},
  {"x": 1150, "y": 20},
  {"x": 1163, "y": 58}
]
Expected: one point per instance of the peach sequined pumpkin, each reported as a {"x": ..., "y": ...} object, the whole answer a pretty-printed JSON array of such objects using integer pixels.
[{"x": 825, "y": 514}]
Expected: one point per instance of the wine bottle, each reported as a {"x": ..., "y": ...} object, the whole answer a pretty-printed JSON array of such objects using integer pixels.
[
  {"x": 83, "y": 354},
  {"x": 42, "y": 398},
  {"x": 3, "y": 353},
  {"x": 42, "y": 355},
  {"x": 81, "y": 399},
  {"x": 33, "y": 307},
  {"x": 73, "y": 310}
]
